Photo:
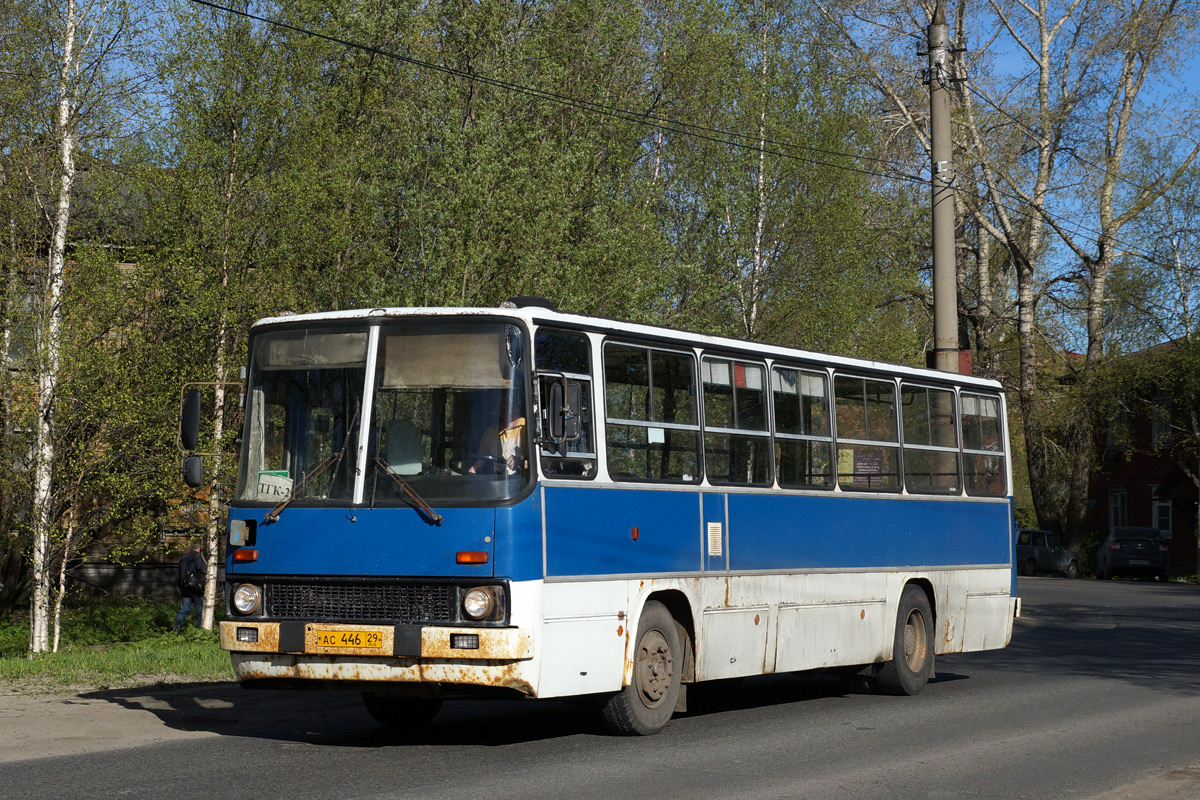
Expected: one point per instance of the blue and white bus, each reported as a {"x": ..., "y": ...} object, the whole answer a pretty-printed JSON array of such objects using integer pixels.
[{"x": 458, "y": 502}]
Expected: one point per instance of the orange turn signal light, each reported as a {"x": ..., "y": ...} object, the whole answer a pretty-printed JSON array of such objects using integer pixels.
[
  {"x": 471, "y": 557},
  {"x": 245, "y": 554}
]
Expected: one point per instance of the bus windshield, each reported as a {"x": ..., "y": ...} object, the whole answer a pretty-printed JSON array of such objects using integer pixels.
[
  {"x": 304, "y": 409},
  {"x": 448, "y": 414}
]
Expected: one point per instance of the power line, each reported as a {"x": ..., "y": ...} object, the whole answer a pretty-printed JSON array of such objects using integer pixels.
[{"x": 714, "y": 135}]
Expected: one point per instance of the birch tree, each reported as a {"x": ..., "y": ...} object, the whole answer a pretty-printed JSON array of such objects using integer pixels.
[
  {"x": 90, "y": 44},
  {"x": 1041, "y": 152},
  {"x": 65, "y": 128}
]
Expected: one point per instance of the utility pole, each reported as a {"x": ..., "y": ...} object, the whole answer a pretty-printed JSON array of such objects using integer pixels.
[{"x": 945, "y": 289}]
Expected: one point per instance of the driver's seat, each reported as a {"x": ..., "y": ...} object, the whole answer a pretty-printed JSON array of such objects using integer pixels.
[{"x": 402, "y": 448}]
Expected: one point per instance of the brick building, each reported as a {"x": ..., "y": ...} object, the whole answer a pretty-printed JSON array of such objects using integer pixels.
[{"x": 1141, "y": 474}]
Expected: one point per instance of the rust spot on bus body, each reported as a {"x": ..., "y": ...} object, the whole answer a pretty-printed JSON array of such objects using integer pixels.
[
  {"x": 341, "y": 669},
  {"x": 499, "y": 659}
]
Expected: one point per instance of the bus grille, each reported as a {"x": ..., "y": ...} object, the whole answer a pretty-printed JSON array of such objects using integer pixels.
[{"x": 357, "y": 602}]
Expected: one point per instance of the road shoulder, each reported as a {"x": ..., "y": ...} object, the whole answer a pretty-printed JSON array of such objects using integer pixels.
[
  {"x": 1180, "y": 784},
  {"x": 37, "y": 726}
]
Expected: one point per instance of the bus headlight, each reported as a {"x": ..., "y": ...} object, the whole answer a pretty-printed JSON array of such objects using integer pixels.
[
  {"x": 478, "y": 603},
  {"x": 246, "y": 598}
]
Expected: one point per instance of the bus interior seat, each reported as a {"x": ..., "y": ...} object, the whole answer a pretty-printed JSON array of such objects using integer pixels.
[{"x": 403, "y": 447}]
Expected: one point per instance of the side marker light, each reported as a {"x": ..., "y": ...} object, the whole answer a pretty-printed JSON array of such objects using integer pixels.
[
  {"x": 245, "y": 554},
  {"x": 471, "y": 557}
]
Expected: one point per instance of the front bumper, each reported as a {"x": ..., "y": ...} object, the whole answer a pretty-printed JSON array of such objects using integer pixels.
[
  {"x": 423, "y": 659},
  {"x": 405, "y": 641}
]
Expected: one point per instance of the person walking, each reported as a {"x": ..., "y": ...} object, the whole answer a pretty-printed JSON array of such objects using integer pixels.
[{"x": 191, "y": 587}]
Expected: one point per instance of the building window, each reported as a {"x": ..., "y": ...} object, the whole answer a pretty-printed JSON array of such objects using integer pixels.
[
  {"x": 1118, "y": 508},
  {"x": 1118, "y": 430},
  {"x": 1160, "y": 512},
  {"x": 1160, "y": 422}
]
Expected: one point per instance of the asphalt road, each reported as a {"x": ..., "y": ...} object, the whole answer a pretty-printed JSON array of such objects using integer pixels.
[{"x": 1098, "y": 690}]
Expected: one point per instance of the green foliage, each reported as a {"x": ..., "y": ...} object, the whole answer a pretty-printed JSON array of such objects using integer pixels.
[
  {"x": 194, "y": 657},
  {"x": 95, "y": 622},
  {"x": 289, "y": 172},
  {"x": 107, "y": 643}
]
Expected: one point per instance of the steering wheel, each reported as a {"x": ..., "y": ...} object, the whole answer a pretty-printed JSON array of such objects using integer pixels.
[{"x": 492, "y": 465}]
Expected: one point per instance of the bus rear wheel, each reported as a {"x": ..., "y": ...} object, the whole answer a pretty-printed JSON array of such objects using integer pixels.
[
  {"x": 912, "y": 648},
  {"x": 645, "y": 706},
  {"x": 401, "y": 713}
]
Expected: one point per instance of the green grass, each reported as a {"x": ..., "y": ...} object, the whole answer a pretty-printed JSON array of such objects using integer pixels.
[{"x": 109, "y": 644}]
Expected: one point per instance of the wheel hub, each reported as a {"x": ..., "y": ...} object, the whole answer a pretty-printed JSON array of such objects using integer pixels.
[{"x": 652, "y": 670}]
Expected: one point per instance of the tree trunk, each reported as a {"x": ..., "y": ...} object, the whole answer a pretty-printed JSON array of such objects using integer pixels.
[
  {"x": 62, "y": 581},
  {"x": 212, "y": 531},
  {"x": 49, "y": 349}
]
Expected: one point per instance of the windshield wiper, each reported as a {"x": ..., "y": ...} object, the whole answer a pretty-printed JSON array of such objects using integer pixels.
[
  {"x": 294, "y": 492},
  {"x": 417, "y": 501}
]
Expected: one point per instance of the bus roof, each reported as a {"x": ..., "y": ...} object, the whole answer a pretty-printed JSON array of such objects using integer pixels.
[{"x": 539, "y": 315}]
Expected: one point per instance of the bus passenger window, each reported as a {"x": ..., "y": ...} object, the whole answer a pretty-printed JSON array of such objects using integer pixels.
[
  {"x": 983, "y": 446},
  {"x": 736, "y": 437},
  {"x": 868, "y": 447},
  {"x": 560, "y": 355},
  {"x": 650, "y": 400},
  {"x": 803, "y": 445},
  {"x": 930, "y": 440}
]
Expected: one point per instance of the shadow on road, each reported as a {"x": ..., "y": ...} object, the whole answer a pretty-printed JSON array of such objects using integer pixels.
[
  {"x": 1139, "y": 632},
  {"x": 339, "y": 719}
]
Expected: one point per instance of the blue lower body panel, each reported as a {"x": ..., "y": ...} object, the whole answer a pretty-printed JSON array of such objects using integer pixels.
[{"x": 590, "y": 531}]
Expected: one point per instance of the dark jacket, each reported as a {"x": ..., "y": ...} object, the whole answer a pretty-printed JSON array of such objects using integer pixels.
[{"x": 191, "y": 560}]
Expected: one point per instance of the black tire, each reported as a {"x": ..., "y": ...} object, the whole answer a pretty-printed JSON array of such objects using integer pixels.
[
  {"x": 401, "y": 713},
  {"x": 645, "y": 706},
  {"x": 912, "y": 647},
  {"x": 1029, "y": 567},
  {"x": 1072, "y": 570}
]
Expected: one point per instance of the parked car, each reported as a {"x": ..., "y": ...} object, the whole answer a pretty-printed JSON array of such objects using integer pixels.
[
  {"x": 1133, "y": 551},
  {"x": 1040, "y": 551}
]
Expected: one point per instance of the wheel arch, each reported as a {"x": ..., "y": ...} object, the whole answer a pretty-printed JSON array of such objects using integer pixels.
[
  {"x": 680, "y": 608},
  {"x": 926, "y": 586}
]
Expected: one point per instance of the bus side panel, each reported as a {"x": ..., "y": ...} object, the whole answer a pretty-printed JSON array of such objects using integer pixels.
[
  {"x": 828, "y": 619},
  {"x": 518, "y": 542},
  {"x": 989, "y": 618},
  {"x": 584, "y": 636},
  {"x": 814, "y": 532},
  {"x": 590, "y": 531}
]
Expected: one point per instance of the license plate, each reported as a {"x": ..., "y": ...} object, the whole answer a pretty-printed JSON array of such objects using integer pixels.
[
  {"x": 1139, "y": 562},
  {"x": 366, "y": 640}
]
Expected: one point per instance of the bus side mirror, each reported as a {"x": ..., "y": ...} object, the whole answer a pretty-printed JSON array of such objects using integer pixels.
[
  {"x": 193, "y": 471},
  {"x": 189, "y": 422},
  {"x": 563, "y": 409}
]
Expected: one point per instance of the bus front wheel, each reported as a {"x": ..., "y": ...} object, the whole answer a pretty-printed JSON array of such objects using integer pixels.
[
  {"x": 645, "y": 706},
  {"x": 401, "y": 712},
  {"x": 912, "y": 648}
]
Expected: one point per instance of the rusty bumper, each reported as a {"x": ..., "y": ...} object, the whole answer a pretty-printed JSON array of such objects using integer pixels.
[
  {"x": 491, "y": 644},
  {"x": 496, "y": 657}
]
